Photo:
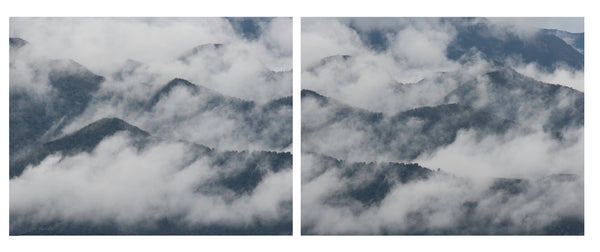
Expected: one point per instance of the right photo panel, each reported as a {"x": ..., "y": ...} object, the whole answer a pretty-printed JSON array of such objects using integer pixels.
[{"x": 442, "y": 126}]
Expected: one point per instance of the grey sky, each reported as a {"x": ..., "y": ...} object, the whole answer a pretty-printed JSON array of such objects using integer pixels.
[{"x": 570, "y": 24}]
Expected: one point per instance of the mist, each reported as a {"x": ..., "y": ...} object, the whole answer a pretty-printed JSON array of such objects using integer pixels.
[{"x": 117, "y": 182}]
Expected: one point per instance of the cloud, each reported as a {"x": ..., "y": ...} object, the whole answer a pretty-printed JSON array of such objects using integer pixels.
[
  {"x": 442, "y": 204},
  {"x": 257, "y": 70},
  {"x": 104, "y": 44},
  {"x": 279, "y": 35},
  {"x": 364, "y": 80},
  {"x": 117, "y": 182},
  {"x": 323, "y": 37},
  {"x": 512, "y": 156},
  {"x": 99, "y": 43},
  {"x": 562, "y": 75},
  {"x": 422, "y": 48}
]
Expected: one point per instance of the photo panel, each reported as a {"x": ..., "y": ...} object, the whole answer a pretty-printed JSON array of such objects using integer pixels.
[
  {"x": 161, "y": 126},
  {"x": 442, "y": 126}
]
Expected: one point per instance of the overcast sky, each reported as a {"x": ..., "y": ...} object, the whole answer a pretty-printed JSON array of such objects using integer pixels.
[{"x": 570, "y": 24}]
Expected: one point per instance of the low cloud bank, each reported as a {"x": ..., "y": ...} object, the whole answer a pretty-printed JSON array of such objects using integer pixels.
[{"x": 118, "y": 183}]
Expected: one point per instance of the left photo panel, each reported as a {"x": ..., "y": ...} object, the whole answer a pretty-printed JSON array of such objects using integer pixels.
[{"x": 150, "y": 126}]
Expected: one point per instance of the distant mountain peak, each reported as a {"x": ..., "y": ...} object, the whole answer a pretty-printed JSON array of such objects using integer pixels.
[
  {"x": 213, "y": 98},
  {"x": 128, "y": 68},
  {"x": 88, "y": 137},
  {"x": 278, "y": 103},
  {"x": 309, "y": 93},
  {"x": 376, "y": 178},
  {"x": 16, "y": 43},
  {"x": 329, "y": 60},
  {"x": 67, "y": 67},
  {"x": 198, "y": 49},
  {"x": 547, "y": 49},
  {"x": 576, "y": 40},
  {"x": 166, "y": 90},
  {"x": 343, "y": 57},
  {"x": 305, "y": 93},
  {"x": 73, "y": 81},
  {"x": 84, "y": 139},
  {"x": 180, "y": 82},
  {"x": 207, "y": 46},
  {"x": 113, "y": 122}
]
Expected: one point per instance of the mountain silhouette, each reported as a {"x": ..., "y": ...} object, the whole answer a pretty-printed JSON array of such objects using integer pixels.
[
  {"x": 514, "y": 96},
  {"x": 88, "y": 137},
  {"x": 16, "y": 43},
  {"x": 269, "y": 124},
  {"x": 31, "y": 118},
  {"x": 368, "y": 184},
  {"x": 84, "y": 139},
  {"x": 330, "y": 60},
  {"x": 186, "y": 57},
  {"x": 405, "y": 135},
  {"x": 211, "y": 99},
  {"x": 543, "y": 48},
  {"x": 128, "y": 69}
]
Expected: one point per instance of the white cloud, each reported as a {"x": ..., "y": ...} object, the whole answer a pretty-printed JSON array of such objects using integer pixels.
[
  {"x": 116, "y": 182},
  {"x": 562, "y": 75}
]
